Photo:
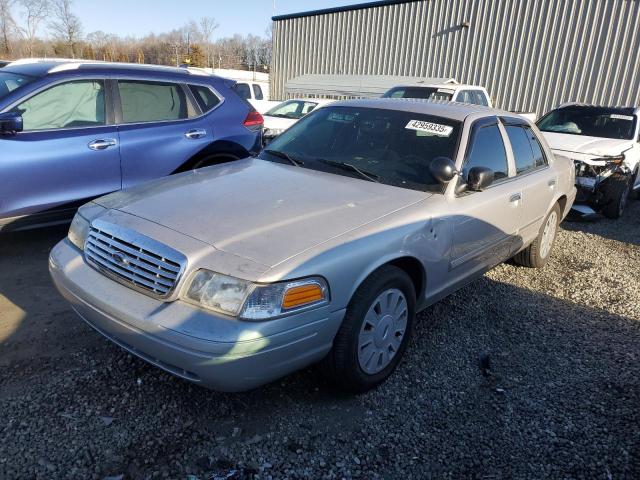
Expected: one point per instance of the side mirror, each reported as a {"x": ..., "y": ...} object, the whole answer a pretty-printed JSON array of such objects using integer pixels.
[
  {"x": 443, "y": 169},
  {"x": 479, "y": 178},
  {"x": 10, "y": 122}
]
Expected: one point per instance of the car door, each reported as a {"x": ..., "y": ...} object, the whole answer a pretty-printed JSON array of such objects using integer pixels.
[
  {"x": 160, "y": 127},
  {"x": 67, "y": 153},
  {"x": 486, "y": 223},
  {"x": 537, "y": 181}
]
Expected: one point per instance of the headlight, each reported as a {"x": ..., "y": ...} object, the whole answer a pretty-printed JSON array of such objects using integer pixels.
[
  {"x": 276, "y": 299},
  {"x": 616, "y": 159},
  {"x": 78, "y": 231},
  {"x": 251, "y": 301}
]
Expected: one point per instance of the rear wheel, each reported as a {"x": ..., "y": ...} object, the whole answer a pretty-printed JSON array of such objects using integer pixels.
[
  {"x": 374, "y": 333},
  {"x": 537, "y": 254},
  {"x": 615, "y": 192}
]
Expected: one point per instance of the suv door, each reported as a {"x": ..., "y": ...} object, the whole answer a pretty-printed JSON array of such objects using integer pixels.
[
  {"x": 160, "y": 126},
  {"x": 486, "y": 223},
  {"x": 66, "y": 154},
  {"x": 538, "y": 181}
]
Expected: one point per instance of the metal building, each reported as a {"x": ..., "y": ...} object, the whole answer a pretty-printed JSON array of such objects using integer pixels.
[{"x": 530, "y": 54}]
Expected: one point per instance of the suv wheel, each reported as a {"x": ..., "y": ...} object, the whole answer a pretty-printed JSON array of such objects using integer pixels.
[
  {"x": 615, "y": 195},
  {"x": 537, "y": 254},
  {"x": 375, "y": 331}
]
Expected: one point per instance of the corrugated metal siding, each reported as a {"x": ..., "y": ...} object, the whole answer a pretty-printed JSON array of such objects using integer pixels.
[{"x": 530, "y": 54}]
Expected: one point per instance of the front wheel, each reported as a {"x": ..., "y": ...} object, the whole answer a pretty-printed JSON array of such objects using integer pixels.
[
  {"x": 374, "y": 333},
  {"x": 616, "y": 192},
  {"x": 537, "y": 254}
]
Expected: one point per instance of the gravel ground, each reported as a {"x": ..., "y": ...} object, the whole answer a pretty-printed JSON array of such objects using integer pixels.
[{"x": 562, "y": 399}]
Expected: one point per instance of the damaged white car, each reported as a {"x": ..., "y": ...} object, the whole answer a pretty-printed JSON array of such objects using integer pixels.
[{"x": 604, "y": 145}]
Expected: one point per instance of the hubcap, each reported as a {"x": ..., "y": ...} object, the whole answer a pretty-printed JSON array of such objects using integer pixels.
[
  {"x": 548, "y": 234},
  {"x": 382, "y": 331}
]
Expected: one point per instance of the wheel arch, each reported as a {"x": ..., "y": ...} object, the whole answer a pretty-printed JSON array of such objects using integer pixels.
[
  {"x": 562, "y": 202},
  {"x": 407, "y": 263},
  {"x": 219, "y": 148}
]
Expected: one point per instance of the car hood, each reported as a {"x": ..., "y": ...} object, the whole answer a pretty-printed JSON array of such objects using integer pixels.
[
  {"x": 596, "y": 146},
  {"x": 259, "y": 210}
]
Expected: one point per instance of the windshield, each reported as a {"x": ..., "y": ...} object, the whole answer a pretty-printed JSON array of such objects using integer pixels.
[
  {"x": 388, "y": 146},
  {"x": 10, "y": 81},
  {"x": 589, "y": 121},
  {"x": 430, "y": 93},
  {"x": 294, "y": 109}
]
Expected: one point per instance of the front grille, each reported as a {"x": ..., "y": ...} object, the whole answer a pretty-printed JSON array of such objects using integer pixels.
[{"x": 152, "y": 268}]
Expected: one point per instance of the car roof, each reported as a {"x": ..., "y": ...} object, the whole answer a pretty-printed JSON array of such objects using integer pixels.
[
  {"x": 43, "y": 67},
  {"x": 440, "y": 108},
  {"x": 451, "y": 86}
]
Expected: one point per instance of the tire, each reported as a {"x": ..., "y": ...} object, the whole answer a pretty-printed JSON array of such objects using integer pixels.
[
  {"x": 344, "y": 366},
  {"x": 537, "y": 254},
  {"x": 615, "y": 194}
]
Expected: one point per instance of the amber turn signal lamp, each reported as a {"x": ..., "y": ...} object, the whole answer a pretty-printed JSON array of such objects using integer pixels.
[{"x": 302, "y": 295}]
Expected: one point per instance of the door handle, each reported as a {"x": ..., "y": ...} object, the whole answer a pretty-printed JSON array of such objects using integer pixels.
[
  {"x": 196, "y": 133},
  {"x": 515, "y": 197},
  {"x": 102, "y": 144}
]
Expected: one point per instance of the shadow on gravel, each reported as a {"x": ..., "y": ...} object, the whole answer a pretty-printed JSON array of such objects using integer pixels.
[
  {"x": 561, "y": 399},
  {"x": 625, "y": 229}
]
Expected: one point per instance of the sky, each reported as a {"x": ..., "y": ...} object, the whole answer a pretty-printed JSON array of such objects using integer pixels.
[{"x": 140, "y": 17}]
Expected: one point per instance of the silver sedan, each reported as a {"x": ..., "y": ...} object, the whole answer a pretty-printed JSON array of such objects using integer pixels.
[{"x": 322, "y": 249}]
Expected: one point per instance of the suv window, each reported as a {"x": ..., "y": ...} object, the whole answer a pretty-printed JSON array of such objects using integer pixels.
[
  {"x": 243, "y": 90},
  {"x": 10, "y": 81},
  {"x": 68, "y": 105},
  {"x": 205, "y": 97},
  {"x": 466, "y": 96},
  {"x": 430, "y": 93},
  {"x": 522, "y": 151},
  {"x": 257, "y": 92},
  {"x": 487, "y": 150},
  {"x": 144, "y": 101}
]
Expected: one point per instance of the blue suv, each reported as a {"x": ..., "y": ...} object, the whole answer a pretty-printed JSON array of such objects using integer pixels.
[{"x": 72, "y": 131}]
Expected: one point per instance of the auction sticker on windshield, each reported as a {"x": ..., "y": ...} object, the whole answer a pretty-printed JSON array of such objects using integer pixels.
[{"x": 429, "y": 127}]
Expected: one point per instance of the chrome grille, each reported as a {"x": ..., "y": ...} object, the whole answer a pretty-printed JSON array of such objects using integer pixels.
[{"x": 152, "y": 268}]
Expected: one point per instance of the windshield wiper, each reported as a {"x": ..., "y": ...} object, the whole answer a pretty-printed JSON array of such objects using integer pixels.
[
  {"x": 372, "y": 177},
  {"x": 286, "y": 156}
]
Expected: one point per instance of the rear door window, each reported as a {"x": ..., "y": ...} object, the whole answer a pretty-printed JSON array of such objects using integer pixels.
[
  {"x": 538, "y": 153},
  {"x": 243, "y": 90},
  {"x": 68, "y": 105},
  {"x": 480, "y": 98},
  {"x": 144, "y": 101},
  {"x": 487, "y": 150},
  {"x": 522, "y": 152},
  {"x": 257, "y": 92},
  {"x": 205, "y": 97}
]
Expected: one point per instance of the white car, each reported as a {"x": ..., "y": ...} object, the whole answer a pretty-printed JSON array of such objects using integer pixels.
[
  {"x": 285, "y": 114},
  {"x": 604, "y": 145},
  {"x": 453, "y": 92}
]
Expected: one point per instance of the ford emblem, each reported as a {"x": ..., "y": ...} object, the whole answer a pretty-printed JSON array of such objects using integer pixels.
[{"x": 119, "y": 258}]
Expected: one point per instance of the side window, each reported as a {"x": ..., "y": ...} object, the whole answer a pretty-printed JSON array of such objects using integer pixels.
[
  {"x": 69, "y": 105},
  {"x": 257, "y": 92},
  {"x": 205, "y": 97},
  {"x": 487, "y": 150},
  {"x": 538, "y": 154},
  {"x": 152, "y": 101},
  {"x": 466, "y": 96},
  {"x": 522, "y": 152},
  {"x": 243, "y": 90},
  {"x": 480, "y": 98}
]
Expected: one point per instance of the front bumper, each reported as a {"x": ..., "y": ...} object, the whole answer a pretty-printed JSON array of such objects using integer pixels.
[{"x": 218, "y": 352}]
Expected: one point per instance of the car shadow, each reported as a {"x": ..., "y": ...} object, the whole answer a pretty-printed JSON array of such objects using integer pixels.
[{"x": 624, "y": 229}]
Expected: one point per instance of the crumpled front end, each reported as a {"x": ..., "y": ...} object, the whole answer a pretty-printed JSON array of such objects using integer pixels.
[{"x": 593, "y": 173}]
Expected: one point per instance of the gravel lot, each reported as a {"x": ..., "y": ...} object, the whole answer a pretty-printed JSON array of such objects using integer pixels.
[{"x": 562, "y": 399}]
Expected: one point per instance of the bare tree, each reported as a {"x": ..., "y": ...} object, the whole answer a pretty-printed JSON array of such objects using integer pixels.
[
  {"x": 7, "y": 26},
  {"x": 67, "y": 26},
  {"x": 207, "y": 26},
  {"x": 33, "y": 13}
]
